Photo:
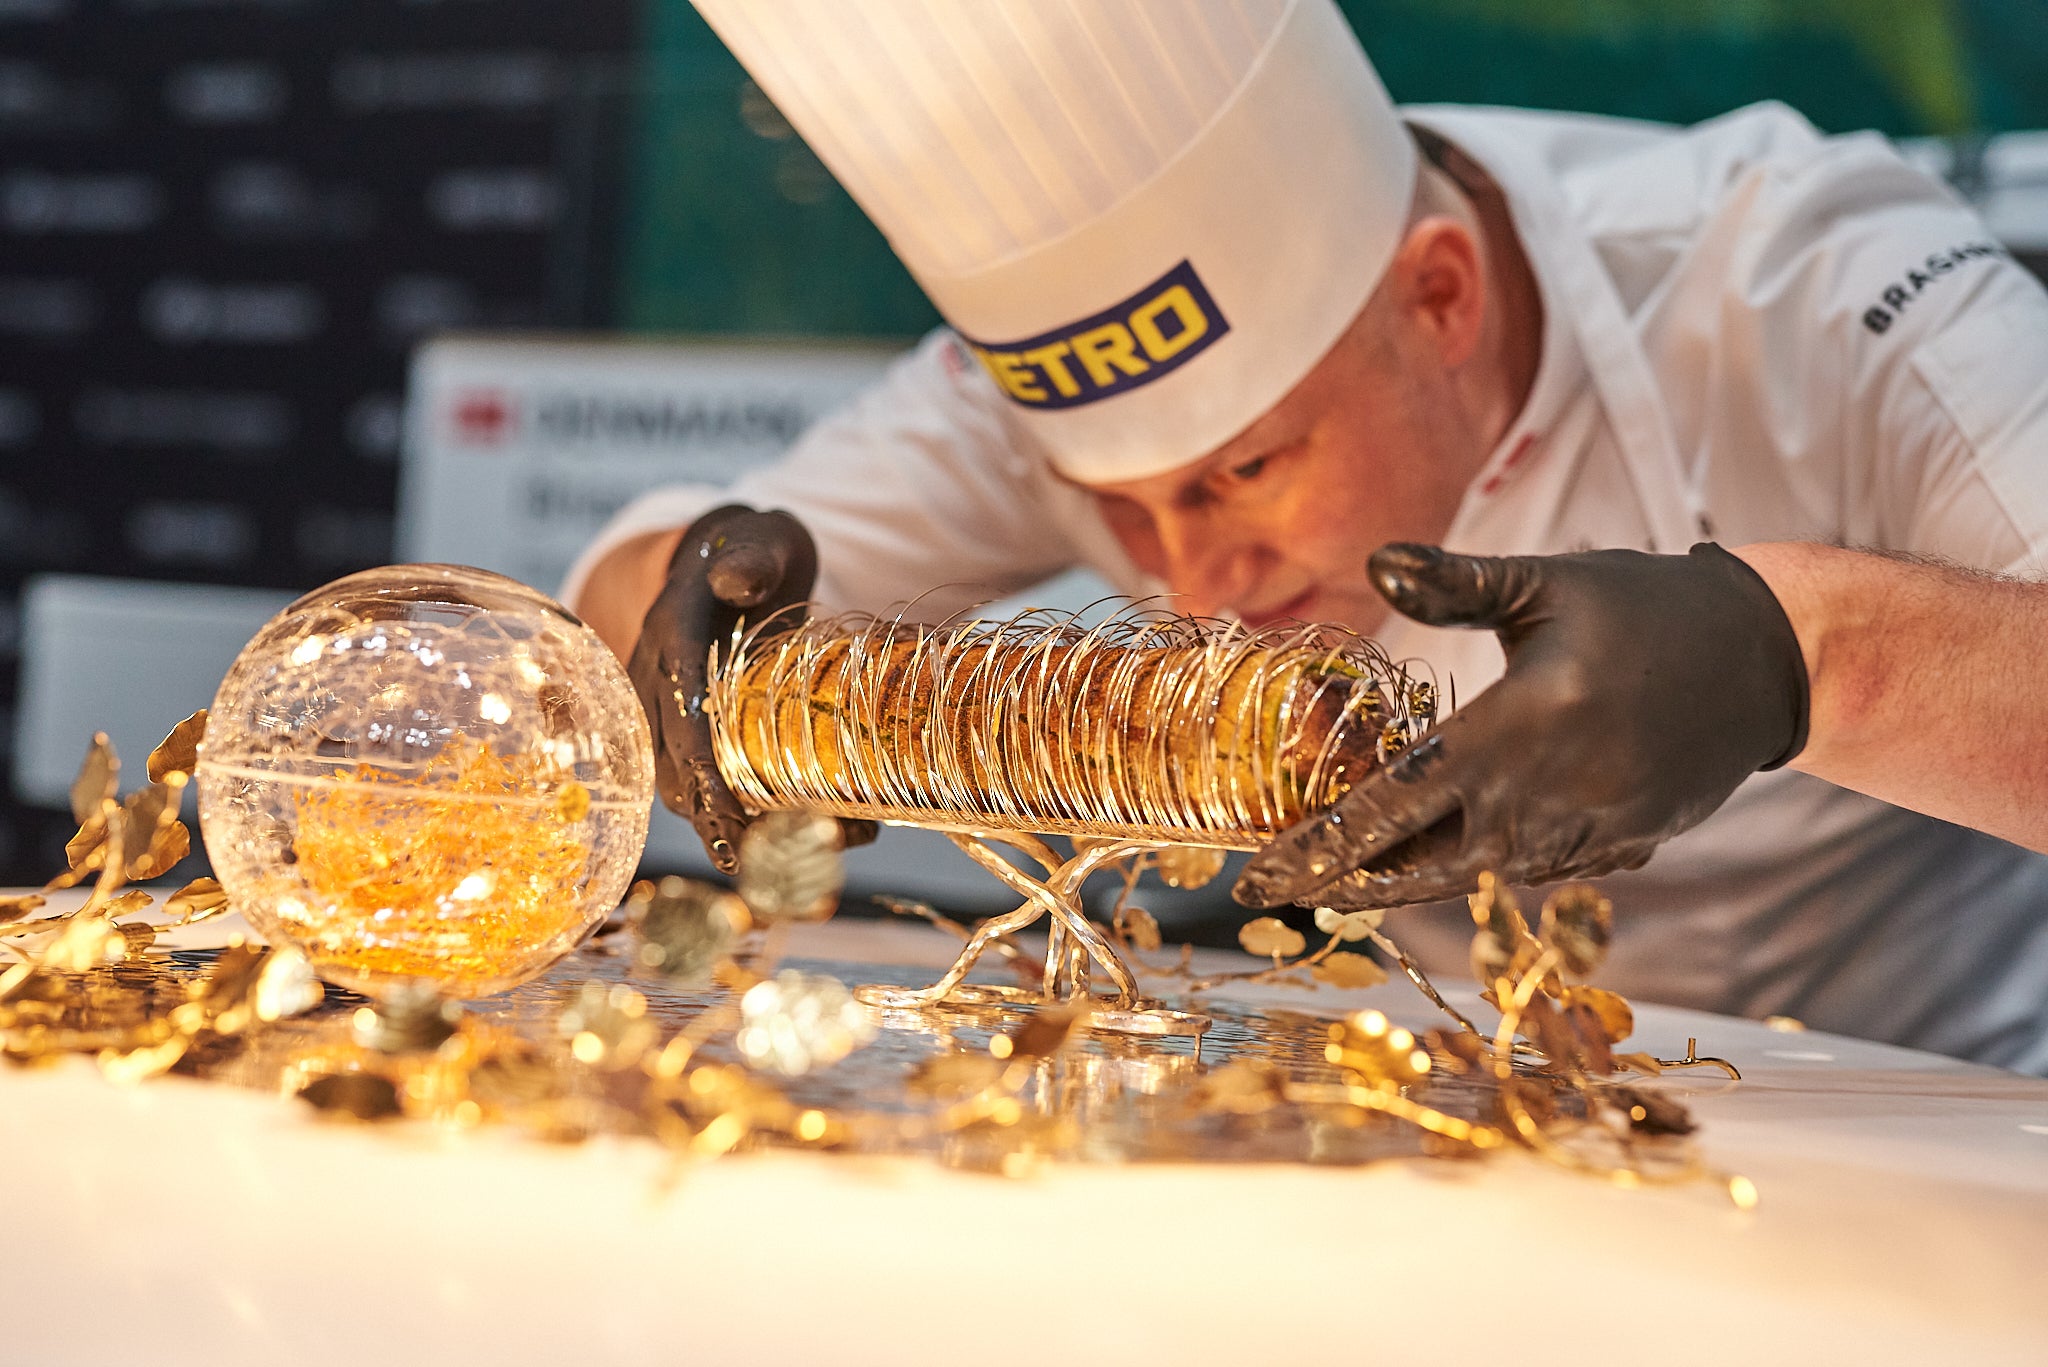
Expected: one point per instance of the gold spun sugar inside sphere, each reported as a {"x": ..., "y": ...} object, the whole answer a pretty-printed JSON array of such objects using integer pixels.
[{"x": 425, "y": 775}]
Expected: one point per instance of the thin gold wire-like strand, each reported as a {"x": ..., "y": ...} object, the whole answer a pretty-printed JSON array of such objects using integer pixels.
[{"x": 1144, "y": 726}]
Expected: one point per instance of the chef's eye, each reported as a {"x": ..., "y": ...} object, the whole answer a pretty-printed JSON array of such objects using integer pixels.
[{"x": 1248, "y": 471}]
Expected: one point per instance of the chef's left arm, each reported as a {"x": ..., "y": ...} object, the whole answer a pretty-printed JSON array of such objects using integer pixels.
[
  {"x": 1896, "y": 360},
  {"x": 1641, "y": 689}
]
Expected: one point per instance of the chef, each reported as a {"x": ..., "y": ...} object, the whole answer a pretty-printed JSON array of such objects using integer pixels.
[{"x": 1224, "y": 323}]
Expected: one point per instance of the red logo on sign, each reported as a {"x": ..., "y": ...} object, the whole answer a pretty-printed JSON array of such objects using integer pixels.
[{"x": 481, "y": 417}]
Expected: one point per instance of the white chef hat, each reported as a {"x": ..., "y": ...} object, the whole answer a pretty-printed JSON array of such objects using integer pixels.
[{"x": 1149, "y": 219}]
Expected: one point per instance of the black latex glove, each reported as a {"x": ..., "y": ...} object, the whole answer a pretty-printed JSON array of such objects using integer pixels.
[
  {"x": 1640, "y": 690},
  {"x": 732, "y": 562}
]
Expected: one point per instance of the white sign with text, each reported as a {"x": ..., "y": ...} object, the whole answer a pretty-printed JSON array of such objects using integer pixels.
[{"x": 518, "y": 451}]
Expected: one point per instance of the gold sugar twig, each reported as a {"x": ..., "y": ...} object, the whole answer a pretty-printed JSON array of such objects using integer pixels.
[
  {"x": 1694, "y": 1059},
  {"x": 1413, "y": 972},
  {"x": 1138, "y": 733}
]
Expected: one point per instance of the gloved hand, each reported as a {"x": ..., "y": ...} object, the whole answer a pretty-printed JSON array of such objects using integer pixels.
[
  {"x": 1640, "y": 690},
  {"x": 732, "y": 562}
]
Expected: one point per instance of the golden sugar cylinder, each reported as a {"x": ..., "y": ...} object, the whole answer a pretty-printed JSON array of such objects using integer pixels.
[{"x": 1146, "y": 728}]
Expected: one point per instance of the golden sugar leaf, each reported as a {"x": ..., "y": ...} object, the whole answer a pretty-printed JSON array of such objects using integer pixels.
[
  {"x": 1348, "y": 926},
  {"x": 570, "y": 1119},
  {"x": 1460, "y": 1051},
  {"x": 199, "y": 900},
  {"x": 172, "y": 843},
  {"x": 24, "y": 983},
  {"x": 513, "y": 1076},
  {"x": 1617, "y": 1018},
  {"x": 71, "y": 878},
  {"x": 723, "y": 1092},
  {"x": 791, "y": 866},
  {"x": 1578, "y": 922},
  {"x": 607, "y": 1027},
  {"x": 141, "y": 1064},
  {"x": 1141, "y": 929},
  {"x": 126, "y": 904},
  {"x": 1046, "y": 1031},
  {"x": 949, "y": 1077},
  {"x": 686, "y": 927},
  {"x": 1345, "y": 969},
  {"x": 1243, "y": 1086},
  {"x": 228, "y": 984},
  {"x": 1269, "y": 936},
  {"x": 1646, "y": 1064},
  {"x": 86, "y": 851},
  {"x": 16, "y": 907},
  {"x": 155, "y": 838},
  {"x": 1188, "y": 866},
  {"x": 98, "y": 780},
  {"x": 178, "y": 753},
  {"x": 1503, "y": 933},
  {"x": 1488, "y": 962},
  {"x": 352, "y": 1096},
  {"x": 86, "y": 942},
  {"x": 137, "y": 936},
  {"x": 1377, "y": 1052},
  {"x": 1571, "y": 1036},
  {"x": 42, "y": 925},
  {"x": 1649, "y": 1112}
]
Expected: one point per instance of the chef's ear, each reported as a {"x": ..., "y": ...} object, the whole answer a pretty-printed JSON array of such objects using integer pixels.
[{"x": 1437, "y": 282}]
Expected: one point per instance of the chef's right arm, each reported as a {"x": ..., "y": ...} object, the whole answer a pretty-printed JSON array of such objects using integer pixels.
[
  {"x": 1925, "y": 682},
  {"x": 914, "y": 493}
]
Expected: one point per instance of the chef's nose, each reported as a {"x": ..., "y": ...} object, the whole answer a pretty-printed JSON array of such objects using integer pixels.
[{"x": 1211, "y": 568}]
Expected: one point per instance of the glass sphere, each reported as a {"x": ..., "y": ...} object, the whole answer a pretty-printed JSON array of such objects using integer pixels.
[{"x": 425, "y": 774}]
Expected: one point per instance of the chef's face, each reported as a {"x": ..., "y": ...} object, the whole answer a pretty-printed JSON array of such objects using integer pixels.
[{"x": 1376, "y": 444}]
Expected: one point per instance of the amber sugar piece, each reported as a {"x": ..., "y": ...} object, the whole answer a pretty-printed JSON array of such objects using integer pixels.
[{"x": 450, "y": 872}]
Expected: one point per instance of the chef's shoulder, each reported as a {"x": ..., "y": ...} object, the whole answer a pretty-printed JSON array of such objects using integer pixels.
[
  {"x": 1642, "y": 193},
  {"x": 1796, "y": 228},
  {"x": 1870, "y": 296},
  {"x": 1857, "y": 238}
]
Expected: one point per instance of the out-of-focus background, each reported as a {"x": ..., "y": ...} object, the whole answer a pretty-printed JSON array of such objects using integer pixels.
[{"x": 293, "y": 287}]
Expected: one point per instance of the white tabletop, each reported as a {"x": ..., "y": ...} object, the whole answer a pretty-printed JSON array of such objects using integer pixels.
[{"x": 1904, "y": 1218}]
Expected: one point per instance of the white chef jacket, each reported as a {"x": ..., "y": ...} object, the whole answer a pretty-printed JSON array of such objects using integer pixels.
[{"x": 1751, "y": 333}]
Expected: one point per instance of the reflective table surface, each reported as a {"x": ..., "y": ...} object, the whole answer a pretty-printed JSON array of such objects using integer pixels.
[{"x": 1903, "y": 1218}]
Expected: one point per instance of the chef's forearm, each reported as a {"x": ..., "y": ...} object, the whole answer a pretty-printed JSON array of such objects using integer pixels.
[
  {"x": 1929, "y": 683},
  {"x": 623, "y": 586}
]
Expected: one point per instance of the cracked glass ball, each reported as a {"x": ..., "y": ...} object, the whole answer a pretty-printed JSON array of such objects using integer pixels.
[{"x": 425, "y": 775}]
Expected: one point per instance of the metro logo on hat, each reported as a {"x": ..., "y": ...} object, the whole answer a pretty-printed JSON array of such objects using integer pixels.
[
  {"x": 1148, "y": 220},
  {"x": 1157, "y": 330}
]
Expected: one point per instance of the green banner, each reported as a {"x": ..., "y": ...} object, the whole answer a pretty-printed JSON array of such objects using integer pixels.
[{"x": 733, "y": 226}]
